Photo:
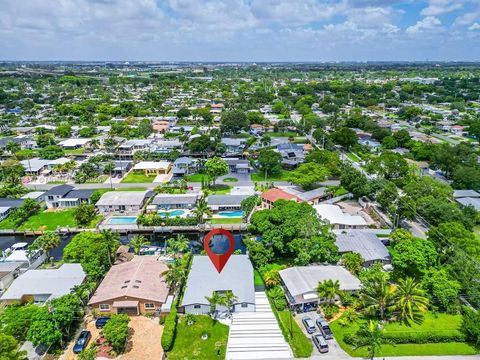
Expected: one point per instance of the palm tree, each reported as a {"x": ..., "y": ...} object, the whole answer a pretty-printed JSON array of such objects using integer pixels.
[
  {"x": 353, "y": 262},
  {"x": 46, "y": 242},
  {"x": 228, "y": 299},
  {"x": 137, "y": 242},
  {"x": 12, "y": 147},
  {"x": 378, "y": 297},
  {"x": 94, "y": 144},
  {"x": 266, "y": 140},
  {"x": 108, "y": 169},
  {"x": 370, "y": 336},
  {"x": 271, "y": 278},
  {"x": 201, "y": 210},
  {"x": 410, "y": 300},
  {"x": 214, "y": 300},
  {"x": 178, "y": 245},
  {"x": 175, "y": 275},
  {"x": 112, "y": 240},
  {"x": 328, "y": 290}
]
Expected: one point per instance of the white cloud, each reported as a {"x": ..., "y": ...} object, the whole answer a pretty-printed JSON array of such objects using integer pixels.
[
  {"x": 428, "y": 24},
  {"x": 475, "y": 26},
  {"x": 439, "y": 7}
]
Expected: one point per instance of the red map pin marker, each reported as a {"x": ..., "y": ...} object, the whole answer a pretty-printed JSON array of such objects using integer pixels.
[{"x": 219, "y": 260}]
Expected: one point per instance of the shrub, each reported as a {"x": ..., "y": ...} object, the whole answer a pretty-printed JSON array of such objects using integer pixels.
[
  {"x": 169, "y": 330},
  {"x": 156, "y": 220},
  {"x": 415, "y": 337},
  {"x": 330, "y": 310},
  {"x": 116, "y": 331}
]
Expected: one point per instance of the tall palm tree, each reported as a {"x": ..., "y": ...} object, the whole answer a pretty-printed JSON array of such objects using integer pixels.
[
  {"x": 201, "y": 210},
  {"x": 175, "y": 275},
  {"x": 214, "y": 300},
  {"x": 177, "y": 245},
  {"x": 94, "y": 144},
  {"x": 271, "y": 278},
  {"x": 378, "y": 297},
  {"x": 328, "y": 290},
  {"x": 108, "y": 169},
  {"x": 228, "y": 299},
  {"x": 370, "y": 336},
  {"x": 46, "y": 242},
  {"x": 411, "y": 302},
  {"x": 12, "y": 147},
  {"x": 112, "y": 241},
  {"x": 137, "y": 242}
]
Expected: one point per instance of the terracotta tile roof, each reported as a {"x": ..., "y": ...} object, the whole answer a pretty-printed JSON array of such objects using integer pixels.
[
  {"x": 275, "y": 194},
  {"x": 140, "y": 278}
]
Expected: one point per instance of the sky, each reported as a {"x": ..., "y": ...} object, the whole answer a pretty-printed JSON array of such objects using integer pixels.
[{"x": 240, "y": 30}]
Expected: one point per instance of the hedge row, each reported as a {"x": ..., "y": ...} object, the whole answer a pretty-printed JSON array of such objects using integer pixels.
[
  {"x": 415, "y": 338},
  {"x": 156, "y": 220},
  {"x": 169, "y": 330}
]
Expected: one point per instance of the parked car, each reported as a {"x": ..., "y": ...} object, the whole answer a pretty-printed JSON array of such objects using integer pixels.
[
  {"x": 309, "y": 324},
  {"x": 320, "y": 343},
  {"x": 324, "y": 328},
  {"x": 82, "y": 341},
  {"x": 101, "y": 321}
]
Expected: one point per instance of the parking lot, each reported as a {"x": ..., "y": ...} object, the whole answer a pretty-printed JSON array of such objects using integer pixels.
[{"x": 334, "y": 350}]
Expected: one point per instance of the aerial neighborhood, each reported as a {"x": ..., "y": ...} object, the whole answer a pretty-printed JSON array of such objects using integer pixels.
[{"x": 351, "y": 192}]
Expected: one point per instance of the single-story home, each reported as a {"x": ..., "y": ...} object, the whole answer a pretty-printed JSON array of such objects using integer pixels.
[
  {"x": 44, "y": 285},
  {"x": 300, "y": 284},
  {"x": 225, "y": 202},
  {"x": 122, "y": 201},
  {"x": 7, "y": 205},
  {"x": 467, "y": 198},
  {"x": 367, "y": 244},
  {"x": 134, "y": 287},
  {"x": 204, "y": 279},
  {"x": 9, "y": 271},
  {"x": 175, "y": 201},
  {"x": 153, "y": 167},
  {"x": 38, "y": 196},
  {"x": 334, "y": 215},
  {"x": 74, "y": 143}
]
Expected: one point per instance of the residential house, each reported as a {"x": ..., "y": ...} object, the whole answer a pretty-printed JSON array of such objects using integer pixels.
[
  {"x": 457, "y": 130},
  {"x": 367, "y": 244},
  {"x": 38, "y": 196},
  {"x": 204, "y": 279},
  {"x": 9, "y": 271},
  {"x": 122, "y": 201},
  {"x": 166, "y": 146},
  {"x": 334, "y": 215},
  {"x": 19, "y": 253},
  {"x": 312, "y": 197},
  {"x": 153, "y": 167},
  {"x": 292, "y": 154},
  {"x": 238, "y": 166},
  {"x": 74, "y": 143},
  {"x": 134, "y": 287},
  {"x": 7, "y": 205},
  {"x": 301, "y": 282},
  {"x": 467, "y": 198},
  {"x": 271, "y": 195},
  {"x": 183, "y": 166},
  {"x": 65, "y": 196},
  {"x": 225, "y": 202},
  {"x": 130, "y": 147},
  {"x": 174, "y": 201},
  {"x": 234, "y": 145},
  {"x": 421, "y": 167},
  {"x": 44, "y": 285}
]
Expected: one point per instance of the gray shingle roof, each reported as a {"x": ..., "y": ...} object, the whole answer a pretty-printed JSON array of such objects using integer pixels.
[
  {"x": 61, "y": 190},
  {"x": 468, "y": 201},
  {"x": 465, "y": 193},
  {"x": 203, "y": 280},
  {"x": 368, "y": 245},
  {"x": 165, "y": 199},
  {"x": 11, "y": 203},
  {"x": 231, "y": 200},
  {"x": 128, "y": 198}
]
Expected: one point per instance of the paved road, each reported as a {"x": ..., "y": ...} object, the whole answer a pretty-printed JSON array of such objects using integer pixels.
[{"x": 436, "y": 357}]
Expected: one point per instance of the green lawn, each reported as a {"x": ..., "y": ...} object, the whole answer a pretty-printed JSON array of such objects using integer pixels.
[
  {"x": 282, "y": 134},
  {"x": 7, "y": 223},
  {"x": 75, "y": 152},
  {"x": 440, "y": 323},
  {"x": 257, "y": 177},
  {"x": 257, "y": 278},
  {"x": 226, "y": 221},
  {"x": 132, "y": 177},
  {"x": 230, "y": 179},
  {"x": 195, "y": 177},
  {"x": 353, "y": 157},
  {"x": 50, "y": 220},
  {"x": 189, "y": 344},
  {"x": 219, "y": 189},
  {"x": 300, "y": 344}
]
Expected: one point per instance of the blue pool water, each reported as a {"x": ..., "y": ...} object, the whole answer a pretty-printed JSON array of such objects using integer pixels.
[
  {"x": 122, "y": 220},
  {"x": 238, "y": 213},
  {"x": 171, "y": 213}
]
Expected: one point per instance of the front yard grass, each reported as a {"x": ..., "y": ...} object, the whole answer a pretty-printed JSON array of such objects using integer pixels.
[
  {"x": 440, "y": 323},
  {"x": 219, "y": 189},
  {"x": 195, "y": 178},
  {"x": 257, "y": 177},
  {"x": 300, "y": 344},
  {"x": 189, "y": 344},
  {"x": 132, "y": 177}
]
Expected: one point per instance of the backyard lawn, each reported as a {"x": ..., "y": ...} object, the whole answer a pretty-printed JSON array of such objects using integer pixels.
[
  {"x": 437, "y": 323},
  {"x": 189, "y": 344},
  {"x": 256, "y": 177},
  {"x": 51, "y": 219},
  {"x": 226, "y": 220},
  {"x": 132, "y": 177},
  {"x": 7, "y": 223}
]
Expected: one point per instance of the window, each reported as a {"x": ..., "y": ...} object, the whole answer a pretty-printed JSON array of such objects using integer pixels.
[
  {"x": 244, "y": 305},
  {"x": 104, "y": 307},
  {"x": 197, "y": 306},
  {"x": 149, "y": 306}
]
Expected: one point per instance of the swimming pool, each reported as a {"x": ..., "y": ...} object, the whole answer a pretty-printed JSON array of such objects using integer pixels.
[
  {"x": 122, "y": 220},
  {"x": 171, "y": 213},
  {"x": 238, "y": 213}
]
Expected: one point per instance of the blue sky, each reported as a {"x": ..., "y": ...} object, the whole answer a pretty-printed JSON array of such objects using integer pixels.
[{"x": 240, "y": 30}]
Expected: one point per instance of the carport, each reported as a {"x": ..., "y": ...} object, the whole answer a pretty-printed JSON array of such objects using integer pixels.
[{"x": 126, "y": 307}]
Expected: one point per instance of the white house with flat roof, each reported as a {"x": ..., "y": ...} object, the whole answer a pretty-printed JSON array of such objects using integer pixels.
[
  {"x": 122, "y": 201},
  {"x": 334, "y": 215},
  {"x": 153, "y": 167}
]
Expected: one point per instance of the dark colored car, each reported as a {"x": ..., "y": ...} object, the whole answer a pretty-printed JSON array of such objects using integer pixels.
[
  {"x": 320, "y": 343},
  {"x": 309, "y": 324},
  {"x": 324, "y": 328},
  {"x": 101, "y": 321},
  {"x": 82, "y": 341}
]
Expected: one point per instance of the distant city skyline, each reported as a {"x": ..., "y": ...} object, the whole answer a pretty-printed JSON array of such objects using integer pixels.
[{"x": 240, "y": 30}]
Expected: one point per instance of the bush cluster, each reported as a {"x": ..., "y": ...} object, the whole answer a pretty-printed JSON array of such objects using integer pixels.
[
  {"x": 156, "y": 220},
  {"x": 415, "y": 337},
  {"x": 169, "y": 330}
]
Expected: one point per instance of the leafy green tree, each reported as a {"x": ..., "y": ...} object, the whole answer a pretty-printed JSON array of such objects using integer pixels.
[
  {"x": 9, "y": 349},
  {"x": 12, "y": 147},
  {"x": 44, "y": 140},
  {"x": 329, "y": 159},
  {"x": 329, "y": 290},
  {"x": 202, "y": 210},
  {"x": 412, "y": 256},
  {"x": 63, "y": 130},
  {"x": 51, "y": 152},
  {"x": 389, "y": 142},
  {"x": 116, "y": 331},
  {"x": 411, "y": 302},
  {"x": 345, "y": 137},
  {"x": 183, "y": 113},
  {"x": 390, "y": 165},
  {"x": 270, "y": 162},
  {"x": 402, "y": 137},
  {"x": 11, "y": 171},
  {"x": 442, "y": 290},
  {"x": 46, "y": 242},
  {"x": 451, "y": 235},
  {"x": 216, "y": 167},
  {"x": 84, "y": 214},
  {"x": 137, "y": 242},
  {"x": 233, "y": 121},
  {"x": 353, "y": 262},
  {"x": 214, "y": 300},
  {"x": 355, "y": 182},
  {"x": 145, "y": 128},
  {"x": 258, "y": 252},
  {"x": 471, "y": 326},
  {"x": 16, "y": 319},
  {"x": 307, "y": 175}
]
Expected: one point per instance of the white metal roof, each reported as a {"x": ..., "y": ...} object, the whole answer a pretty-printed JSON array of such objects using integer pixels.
[{"x": 334, "y": 215}]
